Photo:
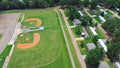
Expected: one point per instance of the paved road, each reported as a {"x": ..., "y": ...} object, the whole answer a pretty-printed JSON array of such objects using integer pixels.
[
  {"x": 67, "y": 44},
  {"x": 8, "y": 23},
  {"x": 81, "y": 60}
]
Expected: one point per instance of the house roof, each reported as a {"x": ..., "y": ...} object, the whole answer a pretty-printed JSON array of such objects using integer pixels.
[
  {"x": 102, "y": 19},
  {"x": 103, "y": 65},
  {"x": 91, "y": 46},
  {"x": 102, "y": 44},
  {"x": 80, "y": 13},
  {"x": 93, "y": 31},
  {"x": 77, "y": 21}
]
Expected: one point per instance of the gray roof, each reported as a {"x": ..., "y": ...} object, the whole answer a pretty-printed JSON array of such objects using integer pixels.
[
  {"x": 91, "y": 46},
  {"x": 77, "y": 21},
  {"x": 103, "y": 65}
]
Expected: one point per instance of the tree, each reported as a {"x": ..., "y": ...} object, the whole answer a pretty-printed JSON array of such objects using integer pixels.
[
  {"x": 119, "y": 12},
  {"x": 19, "y": 5},
  {"x": 113, "y": 52},
  {"x": 73, "y": 13},
  {"x": 95, "y": 39},
  {"x": 94, "y": 56}
]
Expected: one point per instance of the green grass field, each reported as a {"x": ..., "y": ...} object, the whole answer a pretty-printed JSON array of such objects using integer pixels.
[
  {"x": 50, "y": 52},
  {"x": 4, "y": 54},
  {"x": 0, "y": 35},
  {"x": 70, "y": 42}
]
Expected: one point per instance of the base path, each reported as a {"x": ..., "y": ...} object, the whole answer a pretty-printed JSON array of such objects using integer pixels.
[
  {"x": 36, "y": 19},
  {"x": 81, "y": 60},
  {"x": 36, "y": 40}
]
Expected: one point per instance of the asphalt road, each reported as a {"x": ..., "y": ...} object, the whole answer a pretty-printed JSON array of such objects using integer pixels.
[{"x": 8, "y": 23}]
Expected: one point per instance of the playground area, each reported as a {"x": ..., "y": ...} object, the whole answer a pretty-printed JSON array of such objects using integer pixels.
[
  {"x": 40, "y": 49},
  {"x": 8, "y": 23}
]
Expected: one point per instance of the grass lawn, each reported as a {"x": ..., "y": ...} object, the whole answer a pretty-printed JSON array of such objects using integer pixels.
[
  {"x": 98, "y": 20},
  {"x": 90, "y": 33},
  {"x": 83, "y": 50},
  {"x": 50, "y": 52},
  {"x": 4, "y": 54},
  {"x": 101, "y": 35},
  {"x": 90, "y": 12},
  {"x": 70, "y": 22},
  {"x": 77, "y": 31},
  {"x": 0, "y": 35},
  {"x": 109, "y": 13}
]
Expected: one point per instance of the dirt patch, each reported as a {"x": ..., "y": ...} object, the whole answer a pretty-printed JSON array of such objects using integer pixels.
[
  {"x": 36, "y": 19},
  {"x": 27, "y": 38},
  {"x": 21, "y": 35},
  {"x": 29, "y": 45}
]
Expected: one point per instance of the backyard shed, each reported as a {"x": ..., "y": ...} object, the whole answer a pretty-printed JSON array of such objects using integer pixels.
[
  {"x": 91, "y": 46},
  {"x": 102, "y": 44},
  {"x": 77, "y": 22}
]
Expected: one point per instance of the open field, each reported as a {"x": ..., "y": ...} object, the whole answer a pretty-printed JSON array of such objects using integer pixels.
[{"x": 50, "y": 52}]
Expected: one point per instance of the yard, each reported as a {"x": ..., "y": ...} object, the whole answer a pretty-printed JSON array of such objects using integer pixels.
[
  {"x": 50, "y": 52},
  {"x": 4, "y": 54},
  {"x": 77, "y": 31},
  {"x": 98, "y": 20}
]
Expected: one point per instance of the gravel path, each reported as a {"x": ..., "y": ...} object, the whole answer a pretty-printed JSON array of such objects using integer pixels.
[
  {"x": 8, "y": 23},
  {"x": 81, "y": 60}
]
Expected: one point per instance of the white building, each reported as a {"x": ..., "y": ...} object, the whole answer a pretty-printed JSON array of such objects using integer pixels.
[
  {"x": 81, "y": 13},
  {"x": 93, "y": 31},
  {"x": 102, "y": 19},
  {"x": 102, "y": 44}
]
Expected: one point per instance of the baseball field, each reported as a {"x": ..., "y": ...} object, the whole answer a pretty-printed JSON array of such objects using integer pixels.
[{"x": 41, "y": 49}]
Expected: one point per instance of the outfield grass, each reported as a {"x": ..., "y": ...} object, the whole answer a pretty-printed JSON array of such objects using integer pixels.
[
  {"x": 50, "y": 52},
  {"x": 4, "y": 54}
]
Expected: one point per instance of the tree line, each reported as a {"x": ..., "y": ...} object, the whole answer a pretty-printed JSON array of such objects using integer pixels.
[
  {"x": 22, "y": 4},
  {"x": 112, "y": 26}
]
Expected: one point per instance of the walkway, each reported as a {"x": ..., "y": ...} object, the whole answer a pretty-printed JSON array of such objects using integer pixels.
[
  {"x": 115, "y": 14},
  {"x": 67, "y": 44},
  {"x": 81, "y": 60}
]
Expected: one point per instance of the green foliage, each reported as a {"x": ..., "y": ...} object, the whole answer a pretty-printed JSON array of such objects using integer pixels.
[
  {"x": 113, "y": 52},
  {"x": 4, "y": 54},
  {"x": 73, "y": 13},
  {"x": 86, "y": 21},
  {"x": 95, "y": 39},
  {"x": 94, "y": 56}
]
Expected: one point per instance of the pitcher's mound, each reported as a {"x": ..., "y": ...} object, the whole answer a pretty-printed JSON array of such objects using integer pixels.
[{"x": 36, "y": 19}]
